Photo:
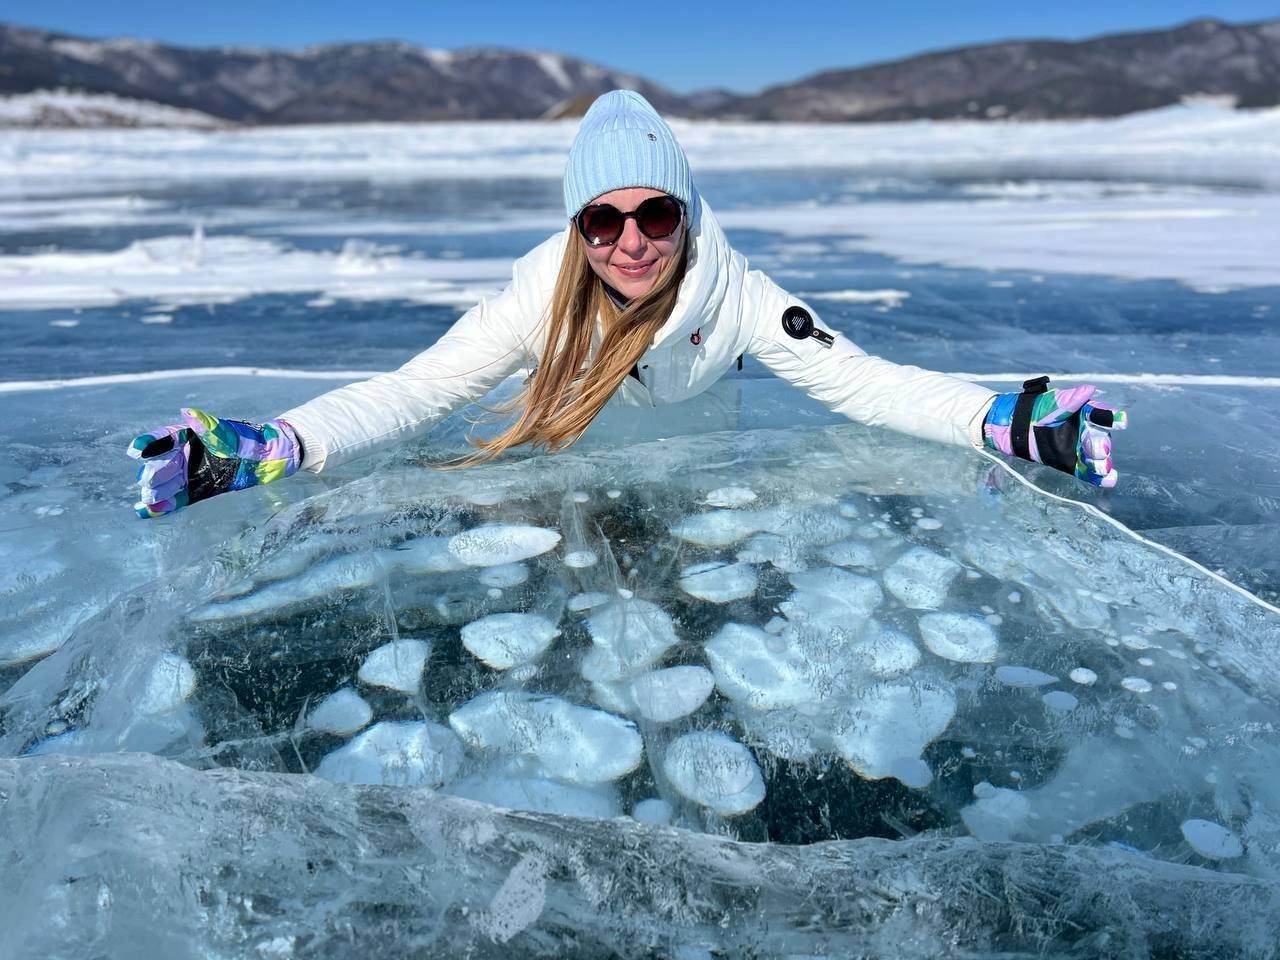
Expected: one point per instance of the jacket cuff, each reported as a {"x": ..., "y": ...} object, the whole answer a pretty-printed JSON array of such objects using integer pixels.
[
  {"x": 314, "y": 453},
  {"x": 976, "y": 437}
]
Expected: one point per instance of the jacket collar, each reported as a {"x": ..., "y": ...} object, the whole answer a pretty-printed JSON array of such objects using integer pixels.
[{"x": 706, "y": 277}]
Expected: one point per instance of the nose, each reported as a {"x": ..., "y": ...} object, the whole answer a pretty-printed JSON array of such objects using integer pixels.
[{"x": 632, "y": 242}]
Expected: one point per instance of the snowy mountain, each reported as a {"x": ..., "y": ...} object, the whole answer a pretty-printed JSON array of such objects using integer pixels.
[
  {"x": 1042, "y": 79},
  {"x": 391, "y": 81},
  {"x": 326, "y": 84}
]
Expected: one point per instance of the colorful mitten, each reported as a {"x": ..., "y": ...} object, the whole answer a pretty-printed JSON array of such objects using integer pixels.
[
  {"x": 1063, "y": 429},
  {"x": 203, "y": 456}
]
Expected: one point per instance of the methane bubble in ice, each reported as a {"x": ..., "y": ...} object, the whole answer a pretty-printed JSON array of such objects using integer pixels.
[
  {"x": 1060, "y": 701},
  {"x": 1212, "y": 840},
  {"x": 501, "y": 543},
  {"x": 580, "y": 559},
  {"x": 911, "y": 772},
  {"x": 567, "y": 742},
  {"x": 920, "y": 578},
  {"x": 506, "y": 575},
  {"x": 397, "y": 665},
  {"x": 1136, "y": 684},
  {"x": 665, "y": 695},
  {"x": 341, "y": 713},
  {"x": 929, "y": 523},
  {"x": 718, "y": 581},
  {"x": 785, "y": 554},
  {"x": 503, "y": 640},
  {"x": 848, "y": 553},
  {"x": 1023, "y": 677},
  {"x": 718, "y": 528},
  {"x": 955, "y": 636},
  {"x": 889, "y": 722},
  {"x": 653, "y": 810},
  {"x": 1083, "y": 676},
  {"x": 628, "y": 635},
  {"x": 395, "y": 753},
  {"x": 714, "y": 771},
  {"x": 997, "y": 813},
  {"x": 730, "y": 497},
  {"x": 748, "y": 669},
  {"x": 831, "y": 594}
]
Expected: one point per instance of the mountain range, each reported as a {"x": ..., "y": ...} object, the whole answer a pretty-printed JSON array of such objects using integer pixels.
[{"x": 393, "y": 81}]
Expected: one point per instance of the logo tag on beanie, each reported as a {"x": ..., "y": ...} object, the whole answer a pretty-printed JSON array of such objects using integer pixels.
[{"x": 798, "y": 323}]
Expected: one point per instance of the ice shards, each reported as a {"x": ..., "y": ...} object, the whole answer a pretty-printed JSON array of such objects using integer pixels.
[
  {"x": 504, "y": 640},
  {"x": 715, "y": 771}
]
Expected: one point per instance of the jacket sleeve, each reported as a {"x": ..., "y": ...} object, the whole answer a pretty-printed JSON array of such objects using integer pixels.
[
  {"x": 864, "y": 388},
  {"x": 484, "y": 347}
]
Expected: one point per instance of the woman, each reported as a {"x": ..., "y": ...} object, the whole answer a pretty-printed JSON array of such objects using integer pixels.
[{"x": 641, "y": 300}]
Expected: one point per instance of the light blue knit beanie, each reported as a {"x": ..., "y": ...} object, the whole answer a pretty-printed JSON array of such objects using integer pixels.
[{"x": 622, "y": 142}]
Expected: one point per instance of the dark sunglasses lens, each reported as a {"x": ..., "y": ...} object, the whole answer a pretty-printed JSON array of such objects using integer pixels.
[
  {"x": 658, "y": 217},
  {"x": 600, "y": 224}
]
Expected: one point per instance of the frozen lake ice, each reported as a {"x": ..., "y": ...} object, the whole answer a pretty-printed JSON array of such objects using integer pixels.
[{"x": 737, "y": 617}]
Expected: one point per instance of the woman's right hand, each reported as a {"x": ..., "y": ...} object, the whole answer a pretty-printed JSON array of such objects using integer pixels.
[{"x": 204, "y": 456}]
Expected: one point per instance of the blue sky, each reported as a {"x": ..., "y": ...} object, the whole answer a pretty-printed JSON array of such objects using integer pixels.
[{"x": 744, "y": 45}]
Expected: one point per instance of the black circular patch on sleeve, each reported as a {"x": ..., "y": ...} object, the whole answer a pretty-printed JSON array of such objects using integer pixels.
[{"x": 797, "y": 322}]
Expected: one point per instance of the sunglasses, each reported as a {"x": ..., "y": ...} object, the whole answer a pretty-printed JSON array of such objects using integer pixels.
[{"x": 601, "y": 224}]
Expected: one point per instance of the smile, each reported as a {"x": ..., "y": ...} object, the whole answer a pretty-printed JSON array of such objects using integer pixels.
[{"x": 637, "y": 271}]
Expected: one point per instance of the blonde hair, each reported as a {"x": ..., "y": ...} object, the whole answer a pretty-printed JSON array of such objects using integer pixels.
[{"x": 569, "y": 388}]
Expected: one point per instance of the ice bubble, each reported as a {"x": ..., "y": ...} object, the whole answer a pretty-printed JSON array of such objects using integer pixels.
[
  {"x": 585, "y": 601},
  {"x": 997, "y": 814},
  {"x": 341, "y": 713},
  {"x": 717, "y": 528},
  {"x": 929, "y": 523},
  {"x": 847, "y": 595},
  {"x": 503, "y": 640},
  {"x": 1083, "y": 675},
  {"x": 500, "y": 543},
  {"x": 613, "y": 494},
  {"x": 955, "y": 636},
  {"x": 1060, "y": 701},
  {"x": 670, "y": 694},
  {"x": 506, "y": 575},
  {"x": 493, "y": 592},
  {"x": 580, "y": 496},
  {"x": 1146, "y": 662},
  {"x": 568, "y": 742},
  {"x": 537, "y": 795},
  {"x": 653, "y": 810},
  {"x": 1169, "y": 685},
  {"x": 911, "y": 772},
  {"x": 848, "y": 553},
  {"x": 424, "y": 555},
  {"x": 883, "y": 652},
  {"x": 748, "y": 670},
  {"x": 920, "y": 578},
  {"x": 730, "y": 497},
  {"x": 1136, "y": 684},
  {"x": 1135, "y": 642},
  {"x": 1015, "y": 596},
  {"x": 889, "y": 722},
  {"x": 580, "y": 559},
  {"x": 718, "y": 581},
  {"x": 628, "y": 636},
  {"x": 1212, "y": 840},
  {"x": 785, "y": 555},
  {"x": 168, "y": 685},
  {"x": 1023, "y": 677},
  {"x": 715, "y": 771},
  {"x": 814, "y": 527},
  {"x": 397, "y": 665},
  {"x": 614, "y": 697},
  {"x": 349, "y": 572},
  {"x": 484, "y": 498},
  {"x": 398, "y": 754}
]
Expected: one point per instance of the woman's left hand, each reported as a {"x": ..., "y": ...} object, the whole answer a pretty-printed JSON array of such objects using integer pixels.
[{"x": 1064, "y": 429}]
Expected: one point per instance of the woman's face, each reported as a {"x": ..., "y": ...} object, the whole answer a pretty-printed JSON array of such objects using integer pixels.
[{"x": 633, "y": 264}]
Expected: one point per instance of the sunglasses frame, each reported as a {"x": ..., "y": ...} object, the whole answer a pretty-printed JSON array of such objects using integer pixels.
[{"x": 580, "y": 220}]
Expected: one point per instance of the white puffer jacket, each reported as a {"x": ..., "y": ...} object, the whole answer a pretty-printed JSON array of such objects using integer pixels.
[{"x": 733, "y": 311}]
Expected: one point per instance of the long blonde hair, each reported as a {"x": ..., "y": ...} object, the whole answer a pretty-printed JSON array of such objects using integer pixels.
[{"x": 569, "y": 388}]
